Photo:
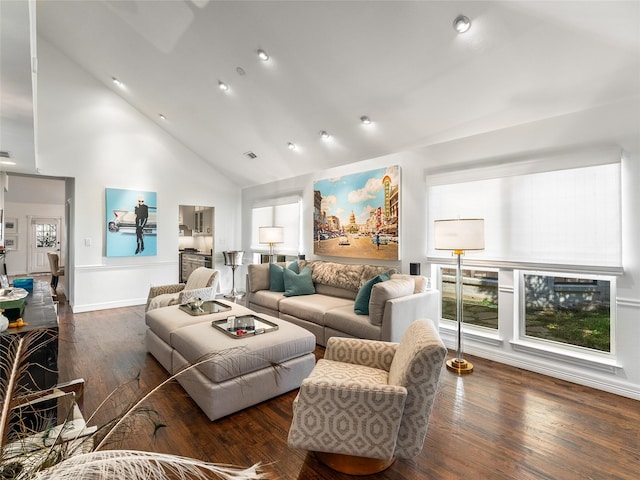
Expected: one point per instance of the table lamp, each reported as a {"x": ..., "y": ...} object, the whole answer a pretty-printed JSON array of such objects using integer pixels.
[
  {"x": 459, "y": 235},
  {"x": 271, "y": 235}
]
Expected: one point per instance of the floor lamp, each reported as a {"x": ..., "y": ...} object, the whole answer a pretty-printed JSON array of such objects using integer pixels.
[
  {"x": 271, "y": 235},
  {"x": 459, "y": 235},
  {"x": 233, "y": 259}
]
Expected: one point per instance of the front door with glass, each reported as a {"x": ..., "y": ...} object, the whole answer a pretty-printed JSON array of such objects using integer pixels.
[{"x": 44, "y": 236}]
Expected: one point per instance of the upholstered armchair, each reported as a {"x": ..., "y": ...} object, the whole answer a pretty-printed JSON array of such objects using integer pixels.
[
  {"x": 56, "y": 269},
  {"x": 202, "y": 283},
  {"x": 368, "y": 402}
]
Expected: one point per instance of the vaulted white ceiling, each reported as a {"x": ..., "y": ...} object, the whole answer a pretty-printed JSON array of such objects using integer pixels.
[{"x": 399, "y": 62}]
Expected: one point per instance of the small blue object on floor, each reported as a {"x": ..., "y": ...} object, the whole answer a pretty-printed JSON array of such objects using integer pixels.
[{"x": 24, "y": 282}]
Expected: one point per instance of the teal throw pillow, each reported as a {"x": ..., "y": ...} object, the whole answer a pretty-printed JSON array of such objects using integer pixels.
[
  {"x": 276, "y": 278},
  {"x": 298, "y": 283},
  {"x": 361, "y": 305}
]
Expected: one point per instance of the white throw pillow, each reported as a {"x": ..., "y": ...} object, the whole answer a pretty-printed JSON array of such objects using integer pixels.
[{"x": 419, "y": 280}]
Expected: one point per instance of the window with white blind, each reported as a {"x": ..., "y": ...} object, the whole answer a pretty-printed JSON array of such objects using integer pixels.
[
  {"x": 553, "y": 225},
  {"x": 568, "y": 216},
  {"x": 282, "y": 212}
]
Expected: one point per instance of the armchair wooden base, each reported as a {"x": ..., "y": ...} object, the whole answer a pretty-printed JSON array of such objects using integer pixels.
[{"x": 352, "y": 465}]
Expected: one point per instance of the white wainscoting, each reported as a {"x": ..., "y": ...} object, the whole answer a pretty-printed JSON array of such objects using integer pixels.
[
  {"x": 608, "y": 375},
  {"x": 99, "y": 287}
]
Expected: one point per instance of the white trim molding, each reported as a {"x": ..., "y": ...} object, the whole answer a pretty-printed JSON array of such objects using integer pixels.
[
  {"x": 123, "y": 285},
  {"x": 628, "y": 302},
  {"x": 608, "y": 365},
  {"x": 537, "y": 364}
]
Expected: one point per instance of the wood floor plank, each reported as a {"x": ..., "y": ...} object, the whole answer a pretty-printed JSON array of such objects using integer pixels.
[{"x": 499, "y": 423}]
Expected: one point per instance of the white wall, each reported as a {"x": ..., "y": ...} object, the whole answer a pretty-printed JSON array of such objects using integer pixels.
[
  {"x": 88, "y": 133},
  {"x": 413, "y": 194},
  {"x": 610, "y": 125}
]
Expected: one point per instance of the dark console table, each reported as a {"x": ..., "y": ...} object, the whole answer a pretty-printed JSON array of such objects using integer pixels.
[{"x": 40, "y": 314}]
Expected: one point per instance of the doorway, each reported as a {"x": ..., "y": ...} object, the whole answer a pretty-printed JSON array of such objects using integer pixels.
[
  {"x": 29, "y": 198},
  {"x": 44, "y": 236},
  {"x": 196, "y": 228}
]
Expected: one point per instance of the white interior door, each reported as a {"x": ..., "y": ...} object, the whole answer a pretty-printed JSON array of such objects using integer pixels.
[{"x": 44, "y": 236}]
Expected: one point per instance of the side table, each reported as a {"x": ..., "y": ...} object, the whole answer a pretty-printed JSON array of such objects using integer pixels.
[{"x": 40, "y": 314}]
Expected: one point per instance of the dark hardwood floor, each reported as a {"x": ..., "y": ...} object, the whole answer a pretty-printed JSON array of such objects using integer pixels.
[{"x": 497, "y": 423}]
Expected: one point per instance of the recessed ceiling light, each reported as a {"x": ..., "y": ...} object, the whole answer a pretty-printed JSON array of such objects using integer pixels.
[
  {"x": 325, "y": 135},
  {"x": 262, "y": 55},
  {"x": 162, "y": 117},
  {"x": 291, "y": 146},
  {"x": 461, "y": 24},
  {"x": 116, "y": 81},
  {"x": 365, "y": 120},
  {"x": 223, "y": 86}
]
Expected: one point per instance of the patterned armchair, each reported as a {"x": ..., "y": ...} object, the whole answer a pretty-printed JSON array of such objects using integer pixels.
[
  {"x": 367, "y": 402},
  {"x": 202, "y": 283}
]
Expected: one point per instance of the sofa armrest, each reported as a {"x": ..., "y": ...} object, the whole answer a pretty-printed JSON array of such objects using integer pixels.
[
  {"x": 400, "y": 312},
  {"x": 204, "y": 294},
  {"x": 162, "y": 289},
  {"x": 370, "y": 353},
  {"x": 257, "y": 277}
]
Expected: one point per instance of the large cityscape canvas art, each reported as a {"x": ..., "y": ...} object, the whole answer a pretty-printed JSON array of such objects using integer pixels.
[
  {"x": 131, "y": 217},
  {"x": 357, "y": 215}
]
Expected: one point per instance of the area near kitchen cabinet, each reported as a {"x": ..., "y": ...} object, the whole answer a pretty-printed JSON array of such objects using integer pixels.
[{"x": 195, "y": 238}]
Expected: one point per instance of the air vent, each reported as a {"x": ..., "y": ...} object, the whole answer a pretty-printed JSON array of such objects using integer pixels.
[
  {"x": 4, "y": 154},
  {"x": 250, "y": 155}
]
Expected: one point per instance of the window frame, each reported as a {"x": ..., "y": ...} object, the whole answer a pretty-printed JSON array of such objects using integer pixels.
[
  {"x": 554, "y": 346},
  {"x": 511, "y": 263},
  {"x": 286, "y": 248},
  {"x": 468, "y": 326}
]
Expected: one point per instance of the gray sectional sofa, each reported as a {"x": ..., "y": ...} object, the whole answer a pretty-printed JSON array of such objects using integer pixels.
[{"x": 329, "y": 311}]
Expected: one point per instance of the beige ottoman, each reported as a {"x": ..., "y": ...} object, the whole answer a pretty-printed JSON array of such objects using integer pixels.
[
  {"x": 247, "y": 371},
  {"x": 163, "y": 322}
]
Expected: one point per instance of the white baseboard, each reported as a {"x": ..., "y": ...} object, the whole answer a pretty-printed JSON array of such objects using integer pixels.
[{"x": 107, "y": 305}]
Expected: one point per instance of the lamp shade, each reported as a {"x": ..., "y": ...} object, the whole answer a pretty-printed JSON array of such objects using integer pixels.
[
  {"x": 271, "y": 235},
  {"x": 459, "y": 234}
]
